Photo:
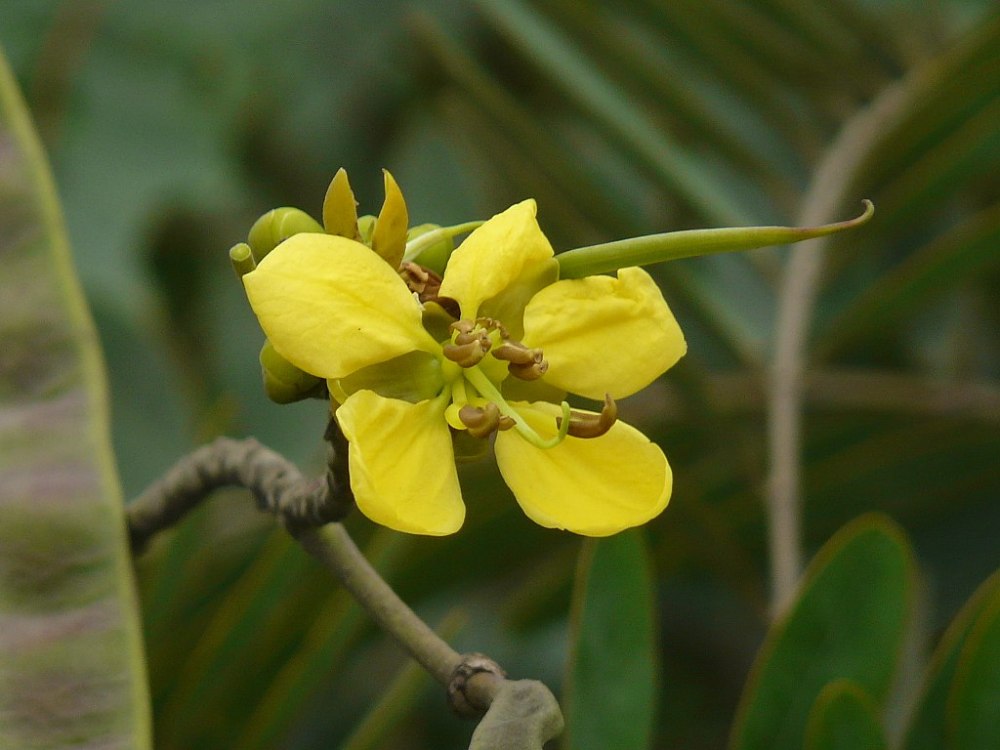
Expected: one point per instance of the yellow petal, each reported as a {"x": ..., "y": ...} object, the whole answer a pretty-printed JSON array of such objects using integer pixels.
[
  {"x": 595, "y": 487},
  {"x": 507, "y": 248},
  {"x": 389, "y": 238},
  {"x": 602, "y": 334},
  {"x": 330, "y": 306},
  {"x": 340, "y": 210},
  {"x": 401, "y": 463}
]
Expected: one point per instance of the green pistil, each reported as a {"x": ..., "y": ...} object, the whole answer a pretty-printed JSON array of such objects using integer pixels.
[{"x": 490, "y": 392}]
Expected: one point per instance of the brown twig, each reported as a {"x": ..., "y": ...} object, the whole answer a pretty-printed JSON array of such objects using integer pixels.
[{"x": 307, "y": 508}]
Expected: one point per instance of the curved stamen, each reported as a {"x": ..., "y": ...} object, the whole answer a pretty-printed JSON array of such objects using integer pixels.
[
  {"x": 583, "y": 425},
  {"x": 517, "y": 353}
]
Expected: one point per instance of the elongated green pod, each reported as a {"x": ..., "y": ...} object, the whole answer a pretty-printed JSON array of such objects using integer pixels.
[{"x": 72, "y": 671}]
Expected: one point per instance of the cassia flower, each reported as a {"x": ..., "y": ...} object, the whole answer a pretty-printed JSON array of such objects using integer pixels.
[{"x": 419, "y": 364}]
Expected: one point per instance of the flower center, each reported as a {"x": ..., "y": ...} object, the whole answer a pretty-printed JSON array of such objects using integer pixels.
[{"x": 477, "y": 405}]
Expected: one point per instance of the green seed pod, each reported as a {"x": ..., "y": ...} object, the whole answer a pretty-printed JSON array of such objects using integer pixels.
[
  {"x": 434, "y": 256},
  {"x": 276, "y": 226},
  {"x": 285, "y": 383}
]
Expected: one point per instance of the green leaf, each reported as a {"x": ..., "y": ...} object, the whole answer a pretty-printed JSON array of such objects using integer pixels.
[
  {"x": 844, "y": 717},
  {"x": 602, "y": 101},
  {"x": 611, "y": 685},
  {"x": 71, "y": 664},
  {"x": 928, "y": 727},
  {"x": 974, "y": 703},
  {"x": 848, "y": 622}
]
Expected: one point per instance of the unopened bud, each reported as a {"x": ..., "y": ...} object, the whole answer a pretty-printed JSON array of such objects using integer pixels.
[
  {"x": 285, "y": 383},
  {"x": 276, "y": 226}
]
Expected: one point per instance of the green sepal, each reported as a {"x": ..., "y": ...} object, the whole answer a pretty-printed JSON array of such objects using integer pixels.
[
  {"x": 276, "y": 226},
  {"x": 285, "y": 383},
  {"x": 658, "y": 248}
]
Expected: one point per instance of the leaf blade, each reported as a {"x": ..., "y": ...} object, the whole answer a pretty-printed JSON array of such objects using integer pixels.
[{"x": 612, "y": 672}]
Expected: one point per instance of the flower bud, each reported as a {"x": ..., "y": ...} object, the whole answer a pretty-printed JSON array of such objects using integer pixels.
[
  {"x": 285, "y": 383},
  {"x": 276, "y": 226}
]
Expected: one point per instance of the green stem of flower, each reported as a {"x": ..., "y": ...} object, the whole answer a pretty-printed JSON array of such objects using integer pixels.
[
  {"x": 658, "y": 248},
  {"x": 418, "y": 244},
  {"x": 489, "y": 391}
]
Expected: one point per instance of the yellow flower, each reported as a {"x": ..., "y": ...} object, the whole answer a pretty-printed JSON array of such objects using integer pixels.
[{"x": 493, "y": 350}]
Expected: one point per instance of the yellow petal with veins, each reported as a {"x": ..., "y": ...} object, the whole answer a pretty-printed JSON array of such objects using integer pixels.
[
  {"x": 602, "y": 334},
  {"x": 594, "y": 487},
  {"x": 331, "y": 306},
  {"x": 496, "y": 256},
  {"x": 401, "y": 463}
]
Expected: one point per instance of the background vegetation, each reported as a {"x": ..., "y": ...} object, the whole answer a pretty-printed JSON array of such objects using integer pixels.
[{"x": 171, "y": 126}]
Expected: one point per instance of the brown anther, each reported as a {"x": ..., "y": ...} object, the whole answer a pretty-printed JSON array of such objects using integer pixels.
[
  {"x": 462, "y": 326},
  {"x": 423, "y": 281},
  {"x": 505, "y": 423},
  {"x": 447, "y": 304},
  {"x": 592, "y": 425},
  {"x": 518, "y": 353},
  {"x": 530, "y": 370},
  {"x": 481, "y": 422},
  {"x": 465, "y": 355},
  {"x": 480, "y": 336},
  {"x": 492, "y": 324}
]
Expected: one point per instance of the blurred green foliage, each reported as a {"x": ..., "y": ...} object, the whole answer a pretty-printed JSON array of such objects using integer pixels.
[{"x": 172, "y": 126}]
